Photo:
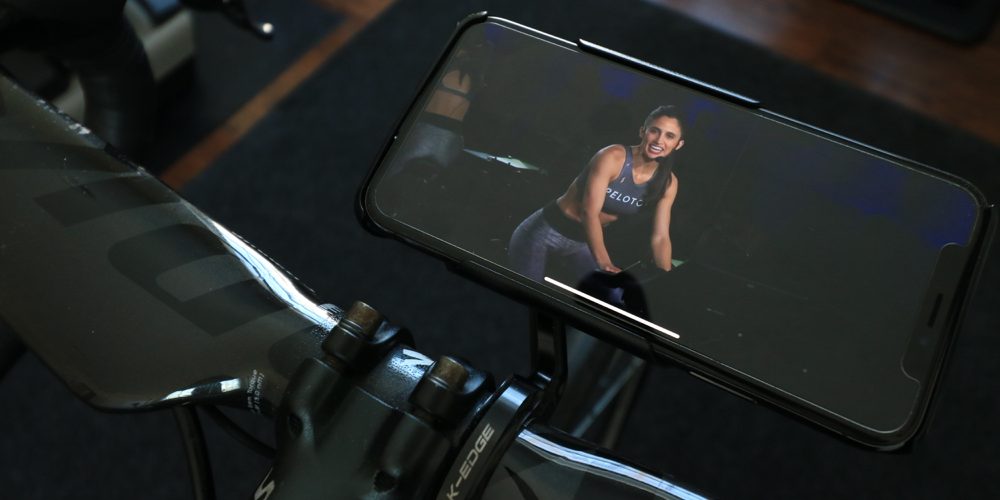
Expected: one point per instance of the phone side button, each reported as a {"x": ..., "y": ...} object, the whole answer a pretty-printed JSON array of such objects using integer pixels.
[
  {"x": 674, "y": 76},
  {"x": 720, "y": 386}
]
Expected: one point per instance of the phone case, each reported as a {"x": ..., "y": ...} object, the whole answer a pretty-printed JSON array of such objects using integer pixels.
[{"x": 624, "y": 334}]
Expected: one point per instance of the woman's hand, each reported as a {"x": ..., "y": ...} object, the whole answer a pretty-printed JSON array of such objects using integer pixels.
[
  {"x": 662, "y": 248},
  {"x": 663, "y": 266},
  {"x": 609, "y": 268}
]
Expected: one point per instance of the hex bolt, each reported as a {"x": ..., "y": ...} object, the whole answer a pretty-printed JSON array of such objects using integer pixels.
[
  {"x": 362, "y": 319},
  {"x": 352, "y": 333},
  {"x": 449, "y": 373}
]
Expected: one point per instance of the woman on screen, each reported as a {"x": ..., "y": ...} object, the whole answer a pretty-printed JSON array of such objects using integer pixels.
[{"x": 619, "y": 181}]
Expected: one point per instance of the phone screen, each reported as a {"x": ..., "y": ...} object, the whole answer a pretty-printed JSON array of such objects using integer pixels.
[{"x": 799, "y": 262}]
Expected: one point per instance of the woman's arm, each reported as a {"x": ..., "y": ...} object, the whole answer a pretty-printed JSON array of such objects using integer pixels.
[
  {"x": 662, "y": 249},
  {"x": 604, "y": 167}
]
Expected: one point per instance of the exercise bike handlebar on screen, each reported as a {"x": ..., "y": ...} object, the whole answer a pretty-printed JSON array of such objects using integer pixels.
[{"x": 139, "y": 301}]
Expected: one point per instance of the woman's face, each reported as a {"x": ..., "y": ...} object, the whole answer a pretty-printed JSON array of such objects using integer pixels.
[{"x": 660, "y": 137}]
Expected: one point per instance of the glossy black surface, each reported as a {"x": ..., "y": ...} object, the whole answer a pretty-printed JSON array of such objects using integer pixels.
[
  {"x": 497, "y": 427},
  {"x": 542, "y": 463},
  {"x": 350, "y": 433},
  {"x": 130, "y": 294}
]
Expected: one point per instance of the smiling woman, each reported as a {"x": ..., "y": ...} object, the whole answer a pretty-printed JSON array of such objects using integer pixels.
[{"x": 619, "y": 181}]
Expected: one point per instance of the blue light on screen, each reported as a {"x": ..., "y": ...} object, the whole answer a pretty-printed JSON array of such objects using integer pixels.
[
  {"x": 619, "y": 83},
  {"x": 936, "y": 212}
]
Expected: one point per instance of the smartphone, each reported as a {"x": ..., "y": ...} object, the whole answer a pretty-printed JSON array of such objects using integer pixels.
[{"x": 687, "y": 224}]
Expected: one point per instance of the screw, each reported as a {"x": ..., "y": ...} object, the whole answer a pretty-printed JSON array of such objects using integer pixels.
[
  {"x": 449, "y": 372},
  {"x": 361, "y": 319}
]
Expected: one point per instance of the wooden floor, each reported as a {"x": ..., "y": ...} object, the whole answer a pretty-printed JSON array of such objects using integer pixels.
[
  {"x": 955, "y": 84},
  {"x": 952, "y": 83},
  {"x": 357, "y": 15}
]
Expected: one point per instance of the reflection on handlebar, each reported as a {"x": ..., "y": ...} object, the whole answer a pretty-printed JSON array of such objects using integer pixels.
[
  {"x": 614, "y": 471},
  {"x": 274, "y": 279}
]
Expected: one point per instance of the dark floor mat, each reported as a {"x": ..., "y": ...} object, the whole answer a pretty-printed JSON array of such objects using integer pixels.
[
  {"x": 289, "y": 187},
  {"x": 230, "y": 68}
]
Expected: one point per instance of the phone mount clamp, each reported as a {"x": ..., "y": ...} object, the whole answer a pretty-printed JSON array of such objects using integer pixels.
[
  {"x": 516, "y": 402},
  {"x": 352, "y": 417}
]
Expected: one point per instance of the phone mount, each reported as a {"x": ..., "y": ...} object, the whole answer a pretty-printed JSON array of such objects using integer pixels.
[
  {"x": 368, "y": 384},
  {"x": 587, "y": 387},
  {"x": 515, "y": 403},
  {"x": 549, "y": 363}
]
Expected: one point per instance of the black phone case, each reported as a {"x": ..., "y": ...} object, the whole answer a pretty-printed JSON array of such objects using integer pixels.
[{"x": 626, "y": 335}]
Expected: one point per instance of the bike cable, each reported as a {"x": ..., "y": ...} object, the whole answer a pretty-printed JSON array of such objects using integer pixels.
[
  {"x": 238, "y": 433},
  {"x": 196, "y": 450}
]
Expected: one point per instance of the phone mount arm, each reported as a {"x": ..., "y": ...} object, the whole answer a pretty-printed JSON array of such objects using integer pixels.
[{"x": 549, "y": 364}]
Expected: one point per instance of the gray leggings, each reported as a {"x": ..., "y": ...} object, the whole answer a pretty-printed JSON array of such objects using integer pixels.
[{"x": 534, "y": 243}]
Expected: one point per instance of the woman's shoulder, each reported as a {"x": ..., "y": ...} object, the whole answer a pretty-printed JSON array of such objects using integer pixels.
[
  {"x": 609, "y": 160},
  {"x": 611, "y": 155},
  {"x": 672, "y": 187},
  {"x": 614, "y": 151}
]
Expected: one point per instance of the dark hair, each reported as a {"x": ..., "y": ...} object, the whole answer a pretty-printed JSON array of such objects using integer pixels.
[
  {"x": 668, "y": 110},
  {"x": 662, "y": 178}
]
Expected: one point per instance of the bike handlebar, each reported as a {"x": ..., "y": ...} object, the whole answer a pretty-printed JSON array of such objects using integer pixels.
[
  {"x": 546, "y": 463},
  {"x": 133, "y": 296},
  {"x": 357, "y": 412}
]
